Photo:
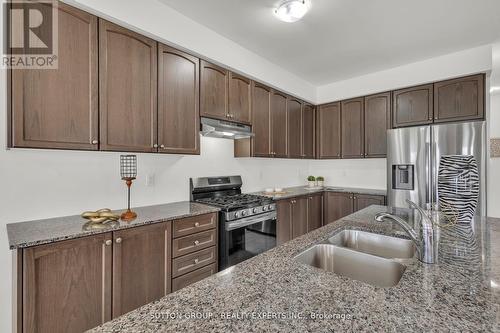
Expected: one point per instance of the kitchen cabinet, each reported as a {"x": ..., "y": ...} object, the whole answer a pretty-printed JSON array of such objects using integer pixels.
[
  {"x": 240, "y": 96},
  {"x": 459, "y": 99},
  {"x": 178, "y": 102},
  {"x": 308, "y": 131},
  {"x": 68, "y": 279},
  {"x": 141, "y": 266},
  {"x": 364, "y": 200},
  {"x": 294, "y": 116},
  {"x": 261, "y": 123},
  {"x": 127, "y": 89},
  {"x": 329, "y": 131},
  {"x": 192, "y": 277},
  {"x": 214, "y": 91},
  {"x": 413, "y": 106},
  {"x": 352, "y": 128},
  {"x": 299, "y": 216},
  {"x": 59, "y": 108},
  {"x": 279, "y": 124},
  {"x": 284, "y": 221},
  {"x": 314, "y": 212},
  {"x": 337, "y": 206},
  {"x": 377, "y": 119}
]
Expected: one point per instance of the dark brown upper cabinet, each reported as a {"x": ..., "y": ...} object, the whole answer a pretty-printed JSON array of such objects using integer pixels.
[
  {"x": 141, "y": 266},
  {"x": 214, "y": 91},
  {"x": 279, "y": 124},
  {"x": 59, "y": 108},
  {"x": 459, "y": 99},
  {"x": 377, "y": 122},
  {"x": 67, "y": 280},
  {"x": 353, "y": 128},
  {"x": 294, "y": 107},
  {"x": 178, "y": 102},
  {"x": 328, "y": 131},
  {"x": 412, "y": 106},
  {"x": 261, "y": 122},
  {"x": 308, "y": 131},
  {"x": 127, "y": 89},
  {"x": 240, "y": 96}
]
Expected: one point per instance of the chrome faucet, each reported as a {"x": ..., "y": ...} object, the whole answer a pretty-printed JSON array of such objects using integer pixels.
[{"x": 425, "y": 240}]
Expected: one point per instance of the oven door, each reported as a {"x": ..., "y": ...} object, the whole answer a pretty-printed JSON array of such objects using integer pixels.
[{"x": 247, "y": 237}]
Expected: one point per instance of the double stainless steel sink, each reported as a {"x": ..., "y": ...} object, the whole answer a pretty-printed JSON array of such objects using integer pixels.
[{"x": 362, "y": 256}]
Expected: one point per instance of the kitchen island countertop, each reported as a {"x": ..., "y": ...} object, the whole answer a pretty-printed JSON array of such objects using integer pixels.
[
  {"x": 273, "y": 292},
  {"x": 297, "y": 191}
]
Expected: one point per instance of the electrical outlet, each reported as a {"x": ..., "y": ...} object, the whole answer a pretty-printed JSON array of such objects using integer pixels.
[{"x": 150, "y": 180}]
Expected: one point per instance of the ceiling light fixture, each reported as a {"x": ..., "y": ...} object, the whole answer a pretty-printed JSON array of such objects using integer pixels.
[{"x": 292, "y": 10}]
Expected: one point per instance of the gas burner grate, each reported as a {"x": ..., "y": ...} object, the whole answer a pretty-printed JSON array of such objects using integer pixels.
[{"x": 239, "y": 201}]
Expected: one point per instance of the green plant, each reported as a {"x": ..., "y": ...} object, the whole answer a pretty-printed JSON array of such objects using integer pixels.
[
  {"x": 320, "y": 179},
  {"x": 311, "y": 178}
]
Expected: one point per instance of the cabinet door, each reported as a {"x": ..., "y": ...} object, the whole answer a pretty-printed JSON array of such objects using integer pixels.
[
  {"x": 364, "y": 200},
  {"x": 214, "y": 88},
  {"x": 58, "y": 108},
  {"x": 284, "y": 221},
  {"x": 338, "y": 205},
  {"x": 377, "y": 122},
  {"x": 412, "y": 106},
  {"x": 178, "y": 113},
  {"x": 261, "y": 123},
  {"x": 329, "y": 133},
  {"x": 299, "y": 216},
  {"x": 127, "y": 90},
  {"x": 459, "y": 99},
  {"x": 67, "y": 285},
  {"x": 314, "y": 212},
  {"x": 279, "y": 124},
  {"x": 308, "y": 131},
  {"x": 141, "y": 266},
  {"x": 240, "y": 97},
  {"x": 294, "y": 116},
  {"x": 352, "y": 128}
]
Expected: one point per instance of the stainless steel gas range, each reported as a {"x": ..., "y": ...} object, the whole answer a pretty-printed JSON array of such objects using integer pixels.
[{"x": 247, "y": 222}]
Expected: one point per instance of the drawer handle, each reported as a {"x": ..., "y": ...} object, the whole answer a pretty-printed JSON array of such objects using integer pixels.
[
  {"x": 197, "y": 224},
  {"x": 196, "y": 242},
  {"x": 118, "y": 240},
  {"x": 108, "y": 242},
  {"x": 196, "y": 261}
]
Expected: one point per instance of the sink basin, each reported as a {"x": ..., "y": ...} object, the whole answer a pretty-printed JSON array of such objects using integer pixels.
[
  {"x": 375, "y": 244},
  {"x": 359, "y": 266}
]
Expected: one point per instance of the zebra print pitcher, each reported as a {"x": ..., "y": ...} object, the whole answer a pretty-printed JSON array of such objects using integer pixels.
[{"x": 458, "y": 186}]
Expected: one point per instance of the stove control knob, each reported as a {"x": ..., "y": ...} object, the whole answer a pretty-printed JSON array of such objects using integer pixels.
[
  {"x": 243, "y": 213},
  {"x": 264, "y": 208},
  {"x": 255, "y": 210},
  {"x": 236, "y": 214},
  {"x": 269, "y": 207}
]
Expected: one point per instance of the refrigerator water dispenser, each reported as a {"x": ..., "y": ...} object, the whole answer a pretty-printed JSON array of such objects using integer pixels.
[{"x": 403, "y": 177}]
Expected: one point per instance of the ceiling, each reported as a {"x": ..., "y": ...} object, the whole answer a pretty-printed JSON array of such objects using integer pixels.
[{"x": 340, "y": 39}]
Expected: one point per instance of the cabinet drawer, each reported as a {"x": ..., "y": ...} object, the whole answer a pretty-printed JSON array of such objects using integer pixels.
[
  {"x": 192, "y": 243},
  {"x": 194, "y": 224},
  {"x": 190, "y": 278},
  {"x": 193, "y": 261}
]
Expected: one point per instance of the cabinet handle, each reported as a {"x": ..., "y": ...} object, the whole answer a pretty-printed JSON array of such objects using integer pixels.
[
  {"x": 94, "y": 142},
  {"x": 196, "y": 261},
  {"x": 355, "y": 198},
  {"x": 118, "y": 240},
  {"x": 197, "y": 224},
  {"x": 310, "y": 198},
  {"x": 155, "y": 145},
  {"x": 196, "y": 242},
  {"x": 108, "y": 242},
  {"x": 162, "y": 146}
]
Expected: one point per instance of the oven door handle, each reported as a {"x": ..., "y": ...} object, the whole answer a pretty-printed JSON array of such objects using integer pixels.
[{"x": 249, "y": 221}]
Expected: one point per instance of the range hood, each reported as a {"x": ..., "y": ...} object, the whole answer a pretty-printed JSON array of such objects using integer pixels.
[{"x": 224, "y": 129}]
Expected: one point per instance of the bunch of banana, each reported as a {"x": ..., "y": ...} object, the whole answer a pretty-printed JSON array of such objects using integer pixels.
[{"x": 100, "y": 216}]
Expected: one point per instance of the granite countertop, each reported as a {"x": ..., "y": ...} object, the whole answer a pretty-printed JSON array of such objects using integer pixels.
[
  {"x": 30, "y": 233},
  {"x": 296, "y": 191},
  {"x": 273, "y": 292}
]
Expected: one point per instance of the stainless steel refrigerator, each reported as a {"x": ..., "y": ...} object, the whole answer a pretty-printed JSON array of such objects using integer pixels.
[{"x": 438, "y": 164}]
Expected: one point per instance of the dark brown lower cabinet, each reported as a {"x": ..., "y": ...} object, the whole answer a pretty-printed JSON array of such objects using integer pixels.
[
  {"x": 66, "y": 286},
  {"x": 299, "y": 216},
  {"x": 364, "y": 200},
  {"x": 314, "y": 212},
  {"x": 141, "y": 266},
  {"x": 284, "y": 222},
  {"x": 340, "y": 204}
]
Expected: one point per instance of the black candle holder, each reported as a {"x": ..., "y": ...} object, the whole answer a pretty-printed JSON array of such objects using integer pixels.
[{"x": 128, "y": 172}]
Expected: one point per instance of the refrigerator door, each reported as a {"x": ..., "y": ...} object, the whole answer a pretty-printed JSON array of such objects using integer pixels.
[
  {"x": 453, "y": 141},
  {"x": 408, "y": 166}
]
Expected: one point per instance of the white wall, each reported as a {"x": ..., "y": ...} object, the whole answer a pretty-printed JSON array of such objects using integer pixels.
[
  {"x": 452, "y": 65},
  {"x": 494, "y": 132}
]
